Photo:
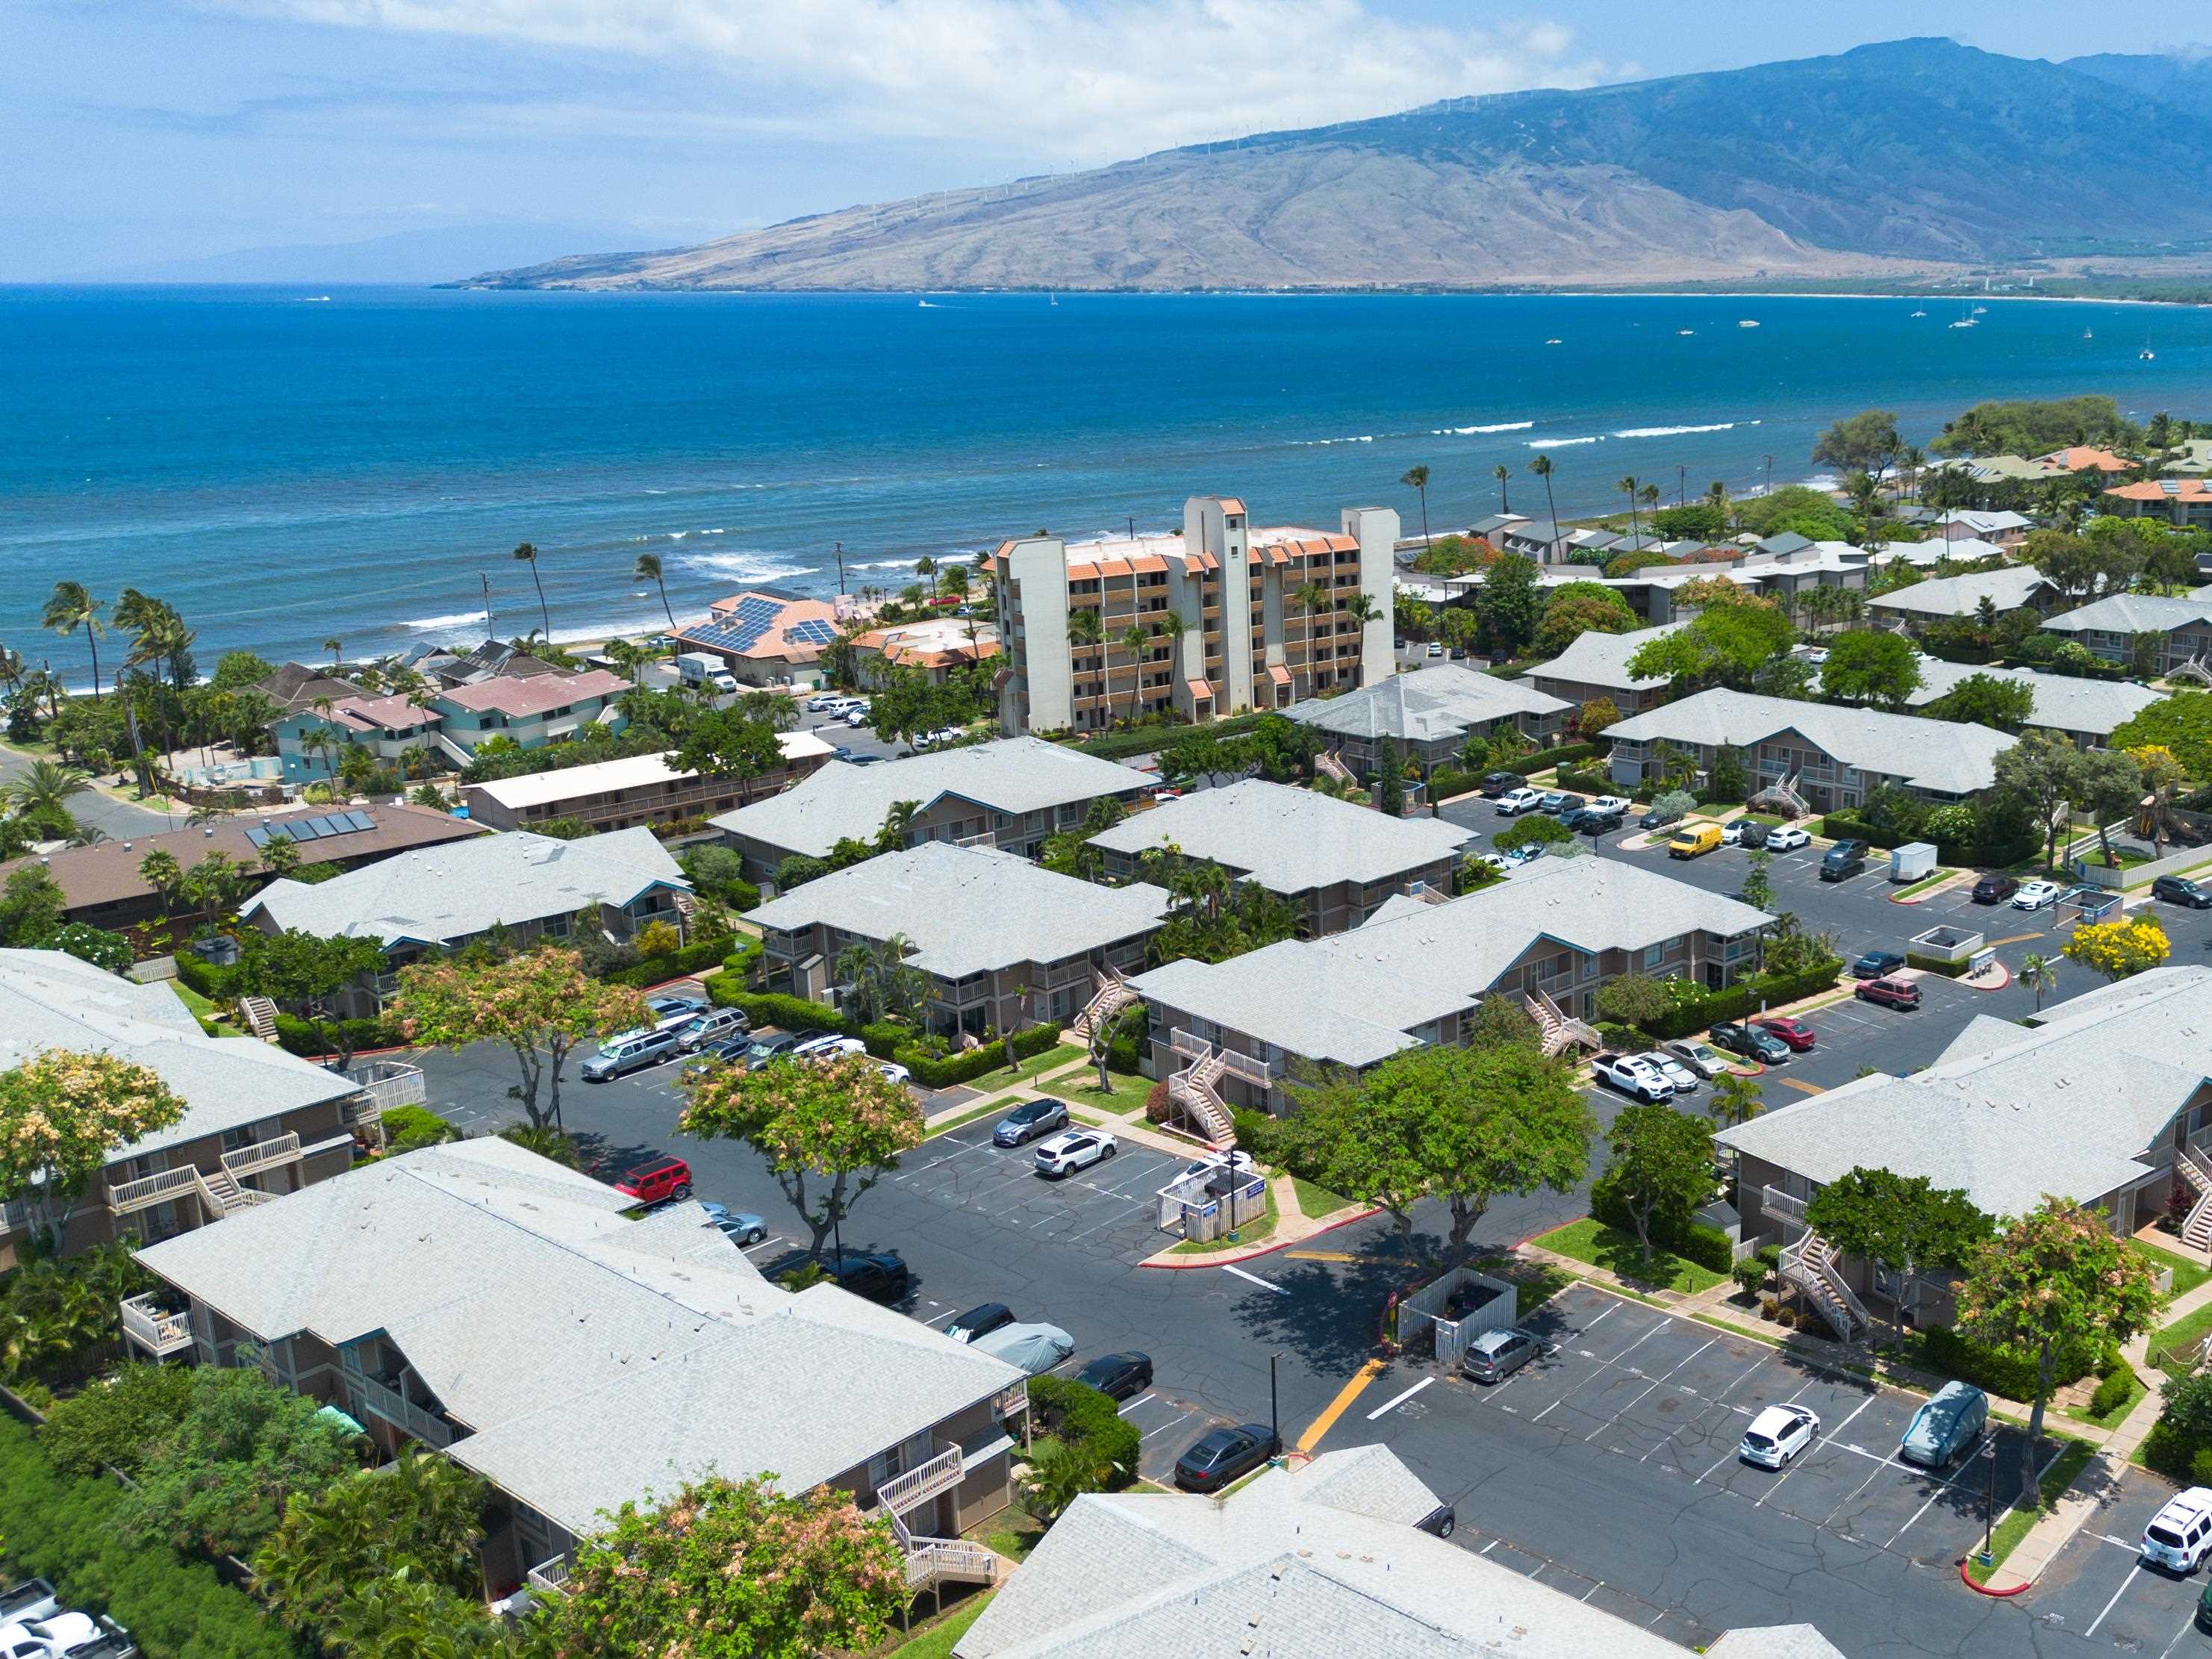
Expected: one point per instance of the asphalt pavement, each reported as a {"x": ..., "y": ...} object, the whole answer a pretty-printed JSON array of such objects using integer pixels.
[{"x": 119, "y": 820}]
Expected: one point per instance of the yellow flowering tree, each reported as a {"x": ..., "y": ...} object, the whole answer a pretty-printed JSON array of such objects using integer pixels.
[
  {"x": 63, "y": 1116},
  {"x": 829, "y": 1131},
  {"x": 2117, "y": 949},
  {"x": 540, "y": 1003}
]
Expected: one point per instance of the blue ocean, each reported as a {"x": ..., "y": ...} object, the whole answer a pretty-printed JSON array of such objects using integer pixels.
[{"x": 287, "y": 467}]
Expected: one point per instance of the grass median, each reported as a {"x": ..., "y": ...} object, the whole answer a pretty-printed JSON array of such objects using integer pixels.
[
  {"x": 1622, "y": 1255},
  {"x": 2016, "y": 1522}
]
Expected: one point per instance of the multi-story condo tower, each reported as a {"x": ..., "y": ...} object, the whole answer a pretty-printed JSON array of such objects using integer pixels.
[{"x": 1232, "y": 618}]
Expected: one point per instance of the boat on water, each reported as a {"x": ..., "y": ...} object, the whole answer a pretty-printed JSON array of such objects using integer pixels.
[
  {"x": 1964, "y": 322},
  {"x": 1747, "y": 322},
  {"x": 1981, "y": 311},
  {"x": 1686, "y": 331},
  {"x": 925, "y": 304},
  {"x": 1920, "y": 313},
  {"x": 1554, "y": 342},
  {"x": 2089, "y": 334}
]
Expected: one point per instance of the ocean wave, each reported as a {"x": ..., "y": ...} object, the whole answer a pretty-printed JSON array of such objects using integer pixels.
[
  {"x": 748, "y": 567},
  {"x": 883, "y": 564},
  {"x": 1674, "y": 431},
  {"x": 1560, "y": 443},
  {"x": 1469, "y": 431},
  {"x": 1323, "y": 443},
  {"x": 440, "y": 624}
]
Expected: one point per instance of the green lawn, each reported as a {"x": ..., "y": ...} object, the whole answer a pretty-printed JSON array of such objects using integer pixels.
[
  {"x": 1125, "y": 1098},
  {"x": 2118, "y": 1415},
  {"x": 2183, "y": 1333},
  {"x": 2013, "y": 1524},
  {"x": 1253, "y": 1232},
  {"x": 1014, "y": 1533},
  {"x": 1316, "y": 1200},
  {"x": 1771, "y": 819},
  {"x": 936, "y": 1642},
  {"x": 1619, "y": 1253},
  {"x": 1534, "y": 1283},
  {"x": 1006, "y": 1076},
  {"x": 203, "y": 1010},
  {"x": 1923, "y": 884},
  {"x": 2187, "y": 1274}
]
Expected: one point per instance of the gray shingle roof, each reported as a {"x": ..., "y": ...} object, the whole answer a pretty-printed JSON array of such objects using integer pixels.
[
  {"x": 968, "y": 910},
  {"x": 455, "y": 892},
  {"x": 2064, "y": 702},
  {"x": 1949, "y": 757},
  {"x": 48, "y": 1000},
  {"x": 2008, "y": 1115},
  {"x": 1595, "y": 659},
  {"x": 1427, "y": 704},
  {"x": 2007, "y": 588},
  {"x": 1018, "y": 774},
  {"x": 1290, "y": 841},
  {"x": 1285, "y": 1568},
  {"x": 597, "y": 1359},
  {"x": 1355, "y": 997},
  {"x": 2132, "y": 613}
]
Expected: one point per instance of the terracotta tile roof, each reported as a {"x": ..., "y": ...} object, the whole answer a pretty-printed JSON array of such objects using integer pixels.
[
  {"x": 1149, "y": 564},
  {"x": 2164, "y": 489},
  {"x": 1232, "y": 504}
]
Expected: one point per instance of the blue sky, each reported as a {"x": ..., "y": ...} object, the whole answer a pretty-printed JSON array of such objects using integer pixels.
[{"x": 143, "y": 129}]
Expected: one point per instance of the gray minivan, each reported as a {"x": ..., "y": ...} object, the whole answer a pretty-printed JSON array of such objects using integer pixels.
[
  {"x": 1946, "y": 1425},
  {"x": 629, "y": 1051}
]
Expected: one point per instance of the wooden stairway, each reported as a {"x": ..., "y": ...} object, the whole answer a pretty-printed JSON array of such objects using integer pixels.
[
  {"x": 1809, "y": 1264},
  {"x": 1194, "y": 1089},
  {"x": 1106, "y": 1004},
  {"x": 2196, "y": 1228},
  {"x": 1559, "y": 1030}
]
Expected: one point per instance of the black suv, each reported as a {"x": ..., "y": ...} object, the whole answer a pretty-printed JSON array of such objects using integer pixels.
[
  {"x": 1877, "y": 964},
  {"x": 1842, "y": 860},
  {"x": 1221, "y": 1456},
  {"x": 2179, "y": 889},
  {"x": 1749, "y": 1042},
  {"x": 1995, "y": 890},
  {"x": 1495, "y": 784},
  {"x": 879, "y": 1275}
]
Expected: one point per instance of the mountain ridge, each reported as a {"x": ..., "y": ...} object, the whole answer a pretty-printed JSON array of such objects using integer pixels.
[{"x": 1893, "y": 159}]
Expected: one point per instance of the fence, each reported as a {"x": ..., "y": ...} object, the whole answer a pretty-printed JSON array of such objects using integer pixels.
[
  {"x": 1426, "y": 1308},
  {"x": 1186, "y": 1206}
]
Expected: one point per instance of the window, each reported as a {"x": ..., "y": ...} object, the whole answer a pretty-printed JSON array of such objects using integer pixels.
[{"x": 1653, "y": 954}]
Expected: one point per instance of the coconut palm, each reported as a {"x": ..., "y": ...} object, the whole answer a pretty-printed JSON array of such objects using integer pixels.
[
  {"x": 1541, "y": 466},
  {"x": 956, "y": 579},
  {"x": 1630, "y": 487},
  {"x": 647, "y": 570},
  {"x": 1177, "y": 627},
  {"x": 1134, "y": 640},
  {"x": 68, "y": 608},
  {"x": 1417, "y": 478},
  {"x": 926, "y": 567},
  {"x": 2039, "y": 973},
  {"x": 1310, "y": 596},
  {"x": 1085, "y": 629},
  {"x": 1363, "y": 610},
  {"x": 525, "y": 554},
  {"x": 44, "y": 791},
  {"x": 1503, "y": 473},
  {"x": 879, "y": 983}
]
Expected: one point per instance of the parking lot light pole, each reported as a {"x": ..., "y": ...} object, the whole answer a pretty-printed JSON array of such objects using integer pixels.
[
  {"x": 1989, "y": 1500},
  {"x": 1274, "y": 1407}
]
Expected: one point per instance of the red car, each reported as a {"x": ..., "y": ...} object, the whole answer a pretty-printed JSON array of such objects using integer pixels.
[
  {"x": 1795, "y": 1032},
  {"x": 655, "y": 1180},
  {"x": 1890, "y": 993}
]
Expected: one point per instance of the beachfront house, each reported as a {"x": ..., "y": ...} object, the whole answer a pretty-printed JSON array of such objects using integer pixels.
[
  {"x": 1336, "y": 862},
  {"x": 765, "y": 639},
  {"x": 2007, "y": 529},
  {"x": 1826, "y": 757},
  {"x": 311, "y": 741},
  {"x": 481, "y": 1301},
  {"x": 2143, "y": 632},
  {"x": 936, "y": 648},
  {"x": 525, "y": 886},
  {"x": 1005, "y": 944},
  {"x": 258, "y": 1123},
  {"x": 1428, "y": 715},
  {"x": 531, "y": 711},
  {"x": 2185, "y": 503}
]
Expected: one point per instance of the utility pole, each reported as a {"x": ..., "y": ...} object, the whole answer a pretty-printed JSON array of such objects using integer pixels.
[
  {"x": 486, "y": 580},
  {"x": 1681, "y": 476},
  {"x": 1274, "y": 1406},
  {"x": 1770, "y": 475},
  {"x": 840, "y": 567}
]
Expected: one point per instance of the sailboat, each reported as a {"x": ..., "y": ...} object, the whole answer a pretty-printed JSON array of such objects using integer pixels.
[
  {"x": 2147, "y": 354},
  {"x": 1920, "y": 313},
  {"x": 1965, "y": 320},
  {"x": 1051, "y": 299},
  {"x": 2087, "y": 334}
]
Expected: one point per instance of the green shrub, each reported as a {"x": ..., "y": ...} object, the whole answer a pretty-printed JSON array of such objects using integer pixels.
[
  {"x": 946, "y": 1072},
  {"x": 772, "y": 1008},
  {"x": 885, "y": 1039},
  {"x": 2000, "y": 1370},
  {"x": 1082, "y": 1416},
  {"x": 672, "y": 964},
  {"x": 1708, "y": 1247},
  {"x": 1934, "y": 964},
  {"x": 1749, "y": 1274},
  {"x": 410, "y": 1128},
  {"x": 312, "y": 1040},
  {"x": 2200, "y": 1466},
  {"x": 2168, "y": 1452},
  {"x": 110, "y": 1426},
  {"x": 216, "y": 984},
  {"x": 1699, "y": 1008},
  {"x": 2112, "y": 1393}
]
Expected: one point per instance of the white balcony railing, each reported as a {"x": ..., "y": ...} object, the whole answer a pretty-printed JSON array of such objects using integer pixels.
[
  {"x": 941, "y": 1473},
  {"x": 396, "y": 1408},
  {"x": 385, "y": 1084},
  {"x": 263, "y": 1155},
  {"x": 551, "y": 1577},
  {"x": 1777, "y": 1202},
  {"x": 126, "y": 1197},
  {"x": 160, "y": 1332}
]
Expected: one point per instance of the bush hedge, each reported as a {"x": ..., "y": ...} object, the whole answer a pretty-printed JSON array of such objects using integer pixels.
[
  {"x": 2004, "y": 1371},
  {"x": 2112, "y": 1393},
  {"x": 312, "y": 1040},
  {"x": 1082, "y": 1416},
  {"x": 1742, "y": 997},
  {"x": 931, "y": 1070},
  {"x": 67, "y": 1531},
  {"x": 672, "y": 964},
  {"x": 934, "y": 1073},
  {"x": 772, "y": 1008},
  {"x": 216, "y": 984},
  {"x": 1934, "y": 964}
]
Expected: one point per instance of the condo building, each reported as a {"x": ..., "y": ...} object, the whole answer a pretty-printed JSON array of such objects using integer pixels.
[{"x": 1224, "y": 626}]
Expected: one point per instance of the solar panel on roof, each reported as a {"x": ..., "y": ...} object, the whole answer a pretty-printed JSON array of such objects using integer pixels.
[
  {"x": 258, "y": 836},
  {"x": 310, "y": 830},
  {"x": 360, "y": 821}
]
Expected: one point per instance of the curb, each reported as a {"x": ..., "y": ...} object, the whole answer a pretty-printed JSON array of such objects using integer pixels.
[
  {"x": 1984, "y": 1589},
  {"x": 1225, "y": 1258}
]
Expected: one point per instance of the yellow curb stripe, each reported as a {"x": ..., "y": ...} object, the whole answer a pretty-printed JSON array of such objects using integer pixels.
[
  {"x": 1802, "y": 1087},
  {"x": 1337, "y": 1408},
  {"x": 1323, "y": 1256},
  {"x": 2015, "y": 939}
]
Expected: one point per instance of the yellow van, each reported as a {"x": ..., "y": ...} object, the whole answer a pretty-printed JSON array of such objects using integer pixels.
[{"x": 1693, "y": 839}]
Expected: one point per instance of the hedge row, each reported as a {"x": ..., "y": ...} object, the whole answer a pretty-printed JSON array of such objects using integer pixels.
[
  {"x": 931, "y": 1070},
  {"x": 1744, "y": 997},
  {"x": 1838, "y": 826},
  {"x": 2003, "y": 1370},
  {"x": 953, "y": 1070},
  {"x": 1934, "y": 964},
  {"x": 772, "y": 1008},
  {"x": 216, "y": 984},
  {"x": 311, "y": 1041},
  {"x": 65, "y": 1531},
  {"x": 1082, "y": 1416},
  {"x": 672, "y": 964},
  {"x": 1708, "y": 1247}
]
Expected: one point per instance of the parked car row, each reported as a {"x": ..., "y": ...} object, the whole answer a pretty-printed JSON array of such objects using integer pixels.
[{"x": 35, "y": 1625}]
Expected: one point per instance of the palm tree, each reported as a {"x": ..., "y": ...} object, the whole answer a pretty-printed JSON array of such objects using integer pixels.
[
  {"x": 1363, "y": 610},
  {"x": 44, "y": 791},
  {"x": 1310, "y": 596},
  {"x": 925, "y": 566},
  {"x": 1086, "y": 631},
  {"x": 1541, "y": 466},
  {"x": 1735, "y": 1100},
  {"x": 1651, "y": 495},
  {"x": 335, "y": 647},
  {"x": 647, "y": 570},
  {"x": 1503, "y": 473},
  {"x": 1417, "y": 478},
  {"x": 1176, "y": 625},
  {"x": 1629, "y": 486},
  {"x": 160, "y": 871},
  {"x": 70, "y": 607},
  {"x": 1134, "y": 640},
  {"x": 2039, "y": 973},
  {"x": 525, "y": 554}
]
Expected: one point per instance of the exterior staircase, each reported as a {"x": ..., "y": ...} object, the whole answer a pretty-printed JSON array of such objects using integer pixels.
[
  {"x": 1809, "y": 1264},
  {"x": 1782, "y": 796},
  {"x": 260, "y": 1016},
  {"x": 1112, "y": 997},
  {"x": 1327, "y": 762},
  {"x": 1559, "y": 1030},
  {"x": 2197, "y": 1226},
  {"x": 934, "y": 1561},
  {"x": 1193, "y": 1089},
  {"x": 221, "y": 1191}
]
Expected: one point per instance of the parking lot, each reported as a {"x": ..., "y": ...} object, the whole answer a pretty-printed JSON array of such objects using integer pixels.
[{"x": 2099, "y": 1590}]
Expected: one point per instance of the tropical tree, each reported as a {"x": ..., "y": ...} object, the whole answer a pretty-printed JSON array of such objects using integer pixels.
[
  {"x": 1503, "y": 474},
  {"x": 2039, "y": 973},
  {"x": 1310, "y": 597},
  {"x": 526, "y": 554},
  {"x": 1630, "y": 487},
  {"x": 646, "y": 569},
  {"x": 1735, "y": 1099},
  {"x": 540, "y": 1002},
  {"x": 1662, "y": 1167},
  {"x": 308, "y": 973},
  {"x": 1086, "y": 632},
  {"x": 2120, "y": 949},
  {"x": 1903, "y": 1222},
  {"x": 1871, "y": 666},
  {"x": 2043, "y": 769},
  {"x": 214, "y": 884},
  {"x": 925, "y": 566},
  {"x": 70, "y": 607},
  {"x": 1134, "y": 640},
  {"x": 733, "y": 1569},
  {"x": 43, "y": 791},
  {"x": 422, "y": 1513},
  {"x": 877, "y": 983},
  {"x": 1416, "y": 478},
  {"x": 828, "y": 1131},
  {"x": 2052, "y": 1279},
  {"x": 1541, "y": 466},
  {"x": 2108, "y": 784},
  {"x": 64, "y": 1115}
]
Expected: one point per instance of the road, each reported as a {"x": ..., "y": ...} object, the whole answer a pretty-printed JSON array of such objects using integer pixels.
[{"x": 119, "y": 820}]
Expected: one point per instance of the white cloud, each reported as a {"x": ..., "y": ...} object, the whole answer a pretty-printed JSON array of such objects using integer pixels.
[{"x": 1082, "y": 79}]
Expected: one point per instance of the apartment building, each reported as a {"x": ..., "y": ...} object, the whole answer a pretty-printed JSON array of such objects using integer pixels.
[
  {"x": 1596, "y": 666},
  {"x": 1225, "y": 629},
  {"x": 1958, "y": 598},
  {"x": 479, "y": 1301},
  {"x": 2185, "y": 503},
  {"x": 1429, "y": 714},
  {"x": 2173, "y": 632},
  {"x": 637, "y": 790},
  {"x": 531, "y": 711},
  {"x": 258, "y": 1123}
]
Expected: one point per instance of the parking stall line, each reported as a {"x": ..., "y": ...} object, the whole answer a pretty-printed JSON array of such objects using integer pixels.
[
  {"x": 981, "y": 1146},
  {"x": 1165, "y": 1427},
  {"x": 1114, "y": 1219},
  {"x": 2178, "y": 1635},
  {"x": 1396, "y": 1401},
  {"x": 1645, "y": 1389},
  {"x": 1265, "y": 1284},
  {"x": 2125, "y": 1583},
  {"x": 1134, "y": 1404}
]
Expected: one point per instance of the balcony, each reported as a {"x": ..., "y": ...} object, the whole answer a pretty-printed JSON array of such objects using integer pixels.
[
  {"x": 162, "y": 1188},
  {"x": 384, "y": 1397},
  {"x": 263, "y": 1155},
  {"x": 923, "y": 1482},
  {"x": 550, "y": 1578},
  {"x": 159, "y": 1332},
  {"x": 385, "y": 1084}
]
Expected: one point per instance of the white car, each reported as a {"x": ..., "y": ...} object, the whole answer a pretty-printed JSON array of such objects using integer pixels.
[
  {"x": 1515, "y": 801},
  {"x": 858, "y": 716},
  {"x": 1700, "y": 1057},
  {"x": 895, "y": 1072},
  {"x": 1074, "y": 1150},
  {"x": 2034, "y": 894},
  {"x": 829, "y": 1047},
  {"x": 1498, "y": 861},
  {"x": 54, "y": 1638},
  {"x": 1777, "y": 1435},
  {"x": 1732, "y": 831},
  {"x": 2179, "y": 1535},
  {"x": 1618, "y": 804},
  {"x": 827, "y": 703},
  {"x": 1678, "y": 1073},
  {"x": 1786, "y": 838},
  {"x": 1632, "y": 1076}
]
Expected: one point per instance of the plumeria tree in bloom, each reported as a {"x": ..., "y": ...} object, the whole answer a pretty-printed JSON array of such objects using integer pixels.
[
  {"x": 829, "y": 1131},
  {"x": 540, "y": 1003},
  {"x": 63, "y": 1116}
]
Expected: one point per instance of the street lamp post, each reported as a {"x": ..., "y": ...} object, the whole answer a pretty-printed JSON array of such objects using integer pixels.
[{"x": 1990, "y": 1499}]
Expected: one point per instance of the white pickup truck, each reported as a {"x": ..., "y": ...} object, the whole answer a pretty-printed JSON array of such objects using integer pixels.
[
  {"x": 33, "y": 1624},
  {"x": 1632, "y": 1075}
]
